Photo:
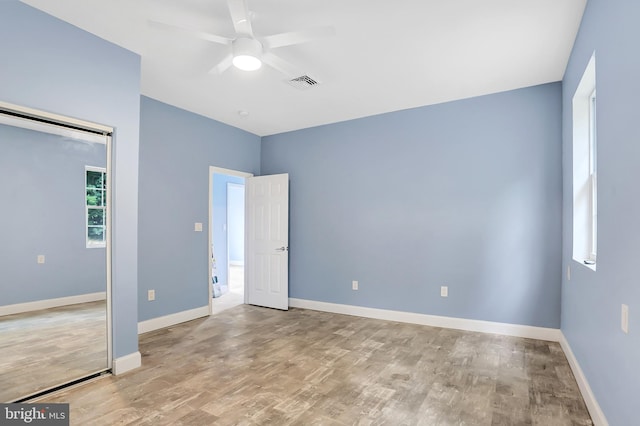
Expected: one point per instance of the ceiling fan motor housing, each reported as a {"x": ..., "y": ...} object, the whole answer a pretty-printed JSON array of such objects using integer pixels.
[{"x": 247, "y": 53}]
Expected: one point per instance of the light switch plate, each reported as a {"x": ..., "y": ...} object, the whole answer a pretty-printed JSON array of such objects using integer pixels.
[
  {"x": 41, "y": 258},
  {"x": 444, "y": 291},
  {"x": 198, "y": 227}
]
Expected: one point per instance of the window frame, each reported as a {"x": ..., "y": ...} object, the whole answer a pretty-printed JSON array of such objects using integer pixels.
[
  {"x": 585, "y": 168},
  {"x": 593, "y": 177}
]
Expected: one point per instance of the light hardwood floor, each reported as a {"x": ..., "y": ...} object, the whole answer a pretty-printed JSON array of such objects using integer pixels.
[
  {"x": 42, "y": 349},
  {"x": 257, "y": 366}
]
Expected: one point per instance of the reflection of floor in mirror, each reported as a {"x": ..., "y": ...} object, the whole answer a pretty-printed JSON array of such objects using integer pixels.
[
  {"x": 42, "y": 349},
  {"x": 235, "y": 295}
]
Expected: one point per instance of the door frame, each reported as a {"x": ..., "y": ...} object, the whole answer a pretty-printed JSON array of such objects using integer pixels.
[{"x": 219, "y": 170}]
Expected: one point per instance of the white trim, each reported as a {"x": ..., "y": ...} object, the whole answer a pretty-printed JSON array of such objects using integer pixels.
[
  {"x": 38, "y": 126},
  {"x": 126, "y": 363},
  {"x": 109, "y": 251},
  {"x": 55, "y": 117},
  {"x": 37, "y": 305},
  {"x": 230, "y": 172},
  {"x": 527, "y": 331},
  {"x": 219, "y": 170},
  {"x": 587, "y": 394},
  {"x": 172, "y": 319}
]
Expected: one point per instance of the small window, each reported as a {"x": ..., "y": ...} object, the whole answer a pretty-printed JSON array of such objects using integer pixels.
[
  {"x": 585, "y": 169},
  {"x": 96, "y": 203}
]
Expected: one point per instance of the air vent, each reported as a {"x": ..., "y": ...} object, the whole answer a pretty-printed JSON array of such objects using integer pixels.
[{"x": 303, "y": 82}]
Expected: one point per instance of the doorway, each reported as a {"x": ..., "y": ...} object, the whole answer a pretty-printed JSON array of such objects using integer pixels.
[
  {"x": 235, "y": 241},
  {"x": 226, "y": 248}
]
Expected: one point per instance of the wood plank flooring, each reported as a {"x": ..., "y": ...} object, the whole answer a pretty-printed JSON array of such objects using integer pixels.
[
  {"x": 42, "y": 349},
  {"x": 257, "y": 366}
]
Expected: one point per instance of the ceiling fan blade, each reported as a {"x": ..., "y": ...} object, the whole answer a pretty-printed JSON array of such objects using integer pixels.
[
  {"x": 297, "y": 37},
  {"x": 223, "y": 65},
  {"x": 240, "y": 17},
  {"x": 195, "y": 33},
  {"x": 281, "y": 65}
]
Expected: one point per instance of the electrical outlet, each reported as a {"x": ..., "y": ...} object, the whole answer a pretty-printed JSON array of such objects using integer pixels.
[
  {"x": 198, "y": 227},
  {"x": 624, "y": 323},
  {"x": 151, "y": 295},
  {"x": 354, "y": 285},
  {"x": 444, "y": 291},
  {"x": 41, "y": 258}
]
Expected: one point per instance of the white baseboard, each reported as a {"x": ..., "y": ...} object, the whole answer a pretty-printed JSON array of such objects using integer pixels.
[
  {"x": 527, "y": 331},
  {"x": 173, "y": 319},
  {"x": 126, "y": 363},
  {"x": 589, "y": 399},
  {"x": 37, "y": 305}
]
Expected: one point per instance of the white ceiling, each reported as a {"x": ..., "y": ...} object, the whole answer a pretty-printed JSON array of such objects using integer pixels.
[{"x": 386, "y": 55}]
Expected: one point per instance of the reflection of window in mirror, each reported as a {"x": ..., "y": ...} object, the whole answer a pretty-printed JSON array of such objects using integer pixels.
[{"x": 96, "y": 202}]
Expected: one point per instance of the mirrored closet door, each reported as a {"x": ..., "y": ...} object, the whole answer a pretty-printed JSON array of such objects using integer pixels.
[{"x": 54, "y": 227}]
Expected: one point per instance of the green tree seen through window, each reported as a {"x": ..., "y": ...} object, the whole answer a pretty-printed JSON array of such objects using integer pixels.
[{"x": 96, "y": 202}]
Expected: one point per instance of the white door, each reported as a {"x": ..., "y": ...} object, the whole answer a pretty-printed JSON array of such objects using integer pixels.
[{"x": 267, "y": 228}]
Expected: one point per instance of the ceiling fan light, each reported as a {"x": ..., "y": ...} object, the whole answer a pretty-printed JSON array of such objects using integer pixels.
[
  {"x": 247, "y": 53},
  {"x": 247, "y": 62}
]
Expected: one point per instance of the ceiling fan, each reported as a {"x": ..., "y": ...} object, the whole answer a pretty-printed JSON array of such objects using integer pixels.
[{"x": 248, "y": 52}]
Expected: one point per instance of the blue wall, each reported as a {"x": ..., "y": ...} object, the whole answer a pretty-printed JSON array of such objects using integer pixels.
[
  {"x": 591, "y": 301},
  {"x": 465, "y": 194},
  {"x": 42, "y": 183},
  {"x": 176, "y": 149},
  {"x": 220, "y": 231},
  {"x": 51, "y": 65}
]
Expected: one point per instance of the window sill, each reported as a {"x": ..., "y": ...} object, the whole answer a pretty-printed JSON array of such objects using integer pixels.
[{"x": 591, "y": 266}]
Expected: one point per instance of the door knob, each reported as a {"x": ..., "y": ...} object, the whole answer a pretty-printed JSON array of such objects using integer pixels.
[{"x": 283, "y": 248}]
